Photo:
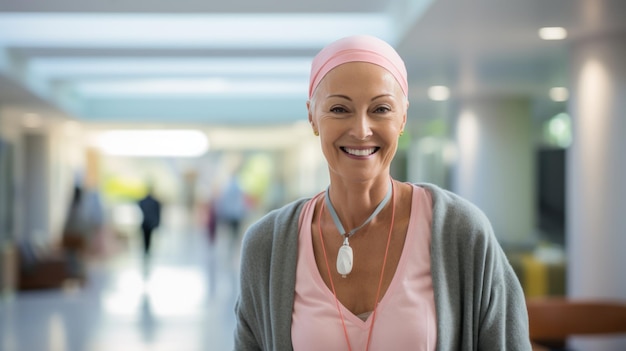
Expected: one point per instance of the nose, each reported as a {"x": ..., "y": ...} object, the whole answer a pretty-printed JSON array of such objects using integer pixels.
[{"x": 361, "y": 128}]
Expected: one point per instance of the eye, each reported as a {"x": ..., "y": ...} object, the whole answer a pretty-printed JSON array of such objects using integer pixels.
[
  {"x": 382, "y": 109},
  {"x": 338, "y": 109}
]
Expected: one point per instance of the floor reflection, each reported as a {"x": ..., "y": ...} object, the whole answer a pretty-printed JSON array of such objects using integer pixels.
[
  {"x": 147, "y": 322},
  {"x": 181, "y": 300}
]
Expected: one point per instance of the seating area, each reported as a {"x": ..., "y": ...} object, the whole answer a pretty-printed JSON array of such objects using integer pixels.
[
  {"x": 541, "y": 270},
  {"x": 40, "y": 266},
  {"x": 554, "y": 320}
]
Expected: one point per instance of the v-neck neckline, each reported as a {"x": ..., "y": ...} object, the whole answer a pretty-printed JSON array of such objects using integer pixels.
[{"x": 397, "y": 276}]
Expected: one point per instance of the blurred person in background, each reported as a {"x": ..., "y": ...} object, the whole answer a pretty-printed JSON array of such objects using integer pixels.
[
  {"x": 95, "y": 212},
  {"x": 211, "y": 221},
  {"x": 230, "y": 207},
  {"x": 150, "y": 208},
  {"x": 76, "y": 231},
  {"x": 372, "y": 263}
]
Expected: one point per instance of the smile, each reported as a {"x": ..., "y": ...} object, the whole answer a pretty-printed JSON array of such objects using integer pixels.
[{"x": 360, "y": 152}]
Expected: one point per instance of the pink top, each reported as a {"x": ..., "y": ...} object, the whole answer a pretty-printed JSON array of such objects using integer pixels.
[{"x": 405, "y": 318}]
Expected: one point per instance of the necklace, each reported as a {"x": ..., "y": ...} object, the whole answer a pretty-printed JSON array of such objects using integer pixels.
[
  {"x": 382, "y": 271},
  {"x": 345, "y": 256}
]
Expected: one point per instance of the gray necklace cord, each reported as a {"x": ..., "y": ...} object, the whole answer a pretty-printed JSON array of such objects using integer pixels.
[{"x": 338, "y": 224}]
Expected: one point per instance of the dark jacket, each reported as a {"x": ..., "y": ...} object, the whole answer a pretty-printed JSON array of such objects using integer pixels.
[{"x": 151, "y": 210}]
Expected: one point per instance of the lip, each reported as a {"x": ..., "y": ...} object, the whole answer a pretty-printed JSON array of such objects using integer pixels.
[{"x": 359, "y": 152}]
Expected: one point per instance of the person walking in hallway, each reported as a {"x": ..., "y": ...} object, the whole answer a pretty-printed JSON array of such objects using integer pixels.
[
  {"x": 230, "y": 209},
  {"x": 76, "y": 235},
  {"x": 151, "y": 211}
]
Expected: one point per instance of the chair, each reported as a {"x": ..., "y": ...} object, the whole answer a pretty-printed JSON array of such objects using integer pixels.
[
  {"x": 553, "y": 320},
  {"x": 40, "y": 266}
]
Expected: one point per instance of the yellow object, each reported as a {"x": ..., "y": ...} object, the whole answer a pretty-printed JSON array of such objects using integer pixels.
[{"x": 535, "y": 279}]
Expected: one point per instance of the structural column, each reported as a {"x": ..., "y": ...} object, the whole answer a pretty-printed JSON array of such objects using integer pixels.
[
  {"x": 596, "y": 170},
  {"x": 34, "y": 185},
  {"x": 495, "y": 167},
  {"x": 596, "y": 174}
]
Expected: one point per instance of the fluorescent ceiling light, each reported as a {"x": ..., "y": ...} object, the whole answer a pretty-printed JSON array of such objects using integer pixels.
[
  {"x": 172, "y": 143},
  {"x": 439, "y": 93},
  {"x": 188, "y": 30},
  {"x": 133, "y": 87},
  {"x": 559, "y": 94},
  {"x": 191, "y": 87},
  {"x": 48, "y": 68},
  {"x": 552, "y": 33}
]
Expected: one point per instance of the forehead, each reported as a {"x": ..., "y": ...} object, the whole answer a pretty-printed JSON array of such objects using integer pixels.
[{"x": 358, "y": 77}]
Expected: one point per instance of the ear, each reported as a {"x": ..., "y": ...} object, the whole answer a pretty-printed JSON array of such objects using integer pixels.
[
  {"x": 406, "y": 111},
  {"x": 310, "y": 114}
]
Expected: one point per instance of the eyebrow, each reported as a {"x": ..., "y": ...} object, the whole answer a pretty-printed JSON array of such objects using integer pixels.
[
  {"x": 339, "y": 96},
  {"x": 349, "y": 99}
]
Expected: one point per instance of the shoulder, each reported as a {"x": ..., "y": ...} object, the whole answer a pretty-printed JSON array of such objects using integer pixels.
[
  {"x": 451, "y": 205},
  {"x": 276, "y": 232},
  {"x": 455, "y": 218},
  {"x": 276, "y": 225},
  {"x": 279, "y": 217}
]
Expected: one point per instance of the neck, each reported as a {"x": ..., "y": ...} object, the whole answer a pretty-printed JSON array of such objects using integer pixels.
[{"x": 354, "y": 202}]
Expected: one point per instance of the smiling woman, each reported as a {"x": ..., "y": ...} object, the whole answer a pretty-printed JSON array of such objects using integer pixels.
[
  {"x": 373, "y": 263},
  {"x": 173, "y": 143}
]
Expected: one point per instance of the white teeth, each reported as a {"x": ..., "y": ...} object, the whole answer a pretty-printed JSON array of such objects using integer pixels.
[{"x": 360, "y": 152}]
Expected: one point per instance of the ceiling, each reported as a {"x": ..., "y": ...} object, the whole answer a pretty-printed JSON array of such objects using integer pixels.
[{"x": 246, "y": 62}]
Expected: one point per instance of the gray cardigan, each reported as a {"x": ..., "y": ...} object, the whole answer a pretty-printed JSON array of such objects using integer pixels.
[{"x": 479, "y": 302}]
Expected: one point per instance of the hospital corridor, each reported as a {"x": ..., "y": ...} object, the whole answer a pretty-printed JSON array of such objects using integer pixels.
[{"x": 182, "y": 299}]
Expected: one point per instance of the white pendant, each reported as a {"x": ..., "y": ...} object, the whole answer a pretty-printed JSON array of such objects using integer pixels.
[{"x": 344, "y": 260}]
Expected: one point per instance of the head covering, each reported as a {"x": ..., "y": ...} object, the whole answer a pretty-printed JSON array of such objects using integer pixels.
[{"x": 358, "y": 48}]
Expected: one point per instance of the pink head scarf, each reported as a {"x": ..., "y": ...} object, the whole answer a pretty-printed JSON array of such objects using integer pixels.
[{"x": 361, "y": 48}]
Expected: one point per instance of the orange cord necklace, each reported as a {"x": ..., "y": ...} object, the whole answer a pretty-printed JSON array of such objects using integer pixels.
[{"x": 382, "y": 271}]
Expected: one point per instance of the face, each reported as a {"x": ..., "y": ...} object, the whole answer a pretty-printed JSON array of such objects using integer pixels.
[{"x": 359, "y": 111}]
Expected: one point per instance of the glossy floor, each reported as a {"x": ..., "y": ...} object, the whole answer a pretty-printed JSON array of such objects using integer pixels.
[{"x": 182, "y": 300}]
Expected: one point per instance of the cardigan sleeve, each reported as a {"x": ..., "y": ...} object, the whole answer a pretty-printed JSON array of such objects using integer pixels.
[
  {"x": 267, "y": 281},
  {"x": 503, "y": 317},
  {"x": 499, "y": 298},
  {"x": 250, "y": 307}
]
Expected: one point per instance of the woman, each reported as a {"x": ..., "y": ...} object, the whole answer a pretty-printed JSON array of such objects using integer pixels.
[{"x": 372, "y": 263}]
